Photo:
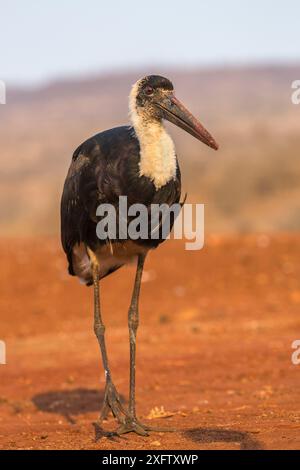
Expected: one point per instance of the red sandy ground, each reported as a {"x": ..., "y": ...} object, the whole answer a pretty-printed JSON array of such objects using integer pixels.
[{"x": 214, "y": 346}]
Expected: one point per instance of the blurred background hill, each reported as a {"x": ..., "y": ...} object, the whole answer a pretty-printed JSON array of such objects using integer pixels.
[{"x": 251, "y": 184}]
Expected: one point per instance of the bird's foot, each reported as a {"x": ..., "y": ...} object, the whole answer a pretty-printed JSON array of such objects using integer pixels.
[
  {"x": 127, "y": 422},
  {"x": 112, "y": 402},
  {"x": 134, "y": 425}
]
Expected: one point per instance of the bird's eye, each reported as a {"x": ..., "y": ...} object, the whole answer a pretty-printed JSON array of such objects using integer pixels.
[{"x": 149, "y": 90}]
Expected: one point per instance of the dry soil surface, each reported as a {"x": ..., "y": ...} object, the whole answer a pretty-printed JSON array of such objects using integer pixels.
[{"x": 214, "y": 347}]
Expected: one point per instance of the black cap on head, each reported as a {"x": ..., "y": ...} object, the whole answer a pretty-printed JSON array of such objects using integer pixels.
[{"x": 156, "y": 81}]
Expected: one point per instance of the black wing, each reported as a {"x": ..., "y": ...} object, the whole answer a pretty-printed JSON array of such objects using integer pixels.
[
  {"x": 103, "y": 168},
  {"x": 96, "y": 175}
]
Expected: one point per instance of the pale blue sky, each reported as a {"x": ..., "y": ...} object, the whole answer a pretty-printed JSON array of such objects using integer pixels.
[{"x": 44, "y": 40}]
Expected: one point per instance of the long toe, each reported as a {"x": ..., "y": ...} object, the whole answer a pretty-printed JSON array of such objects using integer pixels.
[
  {"x": 159, "y": 429},
  {"x": 132, "y": 426},
  {"x": 112, "y": 402},
  {"x": 149, "y": 428}
]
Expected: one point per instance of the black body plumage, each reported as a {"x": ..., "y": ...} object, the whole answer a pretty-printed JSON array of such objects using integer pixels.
[{"x": 103, "y": 168}]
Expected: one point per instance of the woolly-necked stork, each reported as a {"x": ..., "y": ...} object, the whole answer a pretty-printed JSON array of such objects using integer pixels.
[{"x": 137, "y": 161}]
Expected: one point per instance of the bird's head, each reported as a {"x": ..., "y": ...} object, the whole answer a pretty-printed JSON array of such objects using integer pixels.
[{"x": 152, "y": 99}]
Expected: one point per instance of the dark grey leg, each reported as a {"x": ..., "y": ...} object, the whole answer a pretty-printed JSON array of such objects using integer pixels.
[
  {"x": 126, "y": 419},
  {"x": 133, "y": 323},
  {"x": 133, "y": 424},
  {"x": 111, "y": 397}
]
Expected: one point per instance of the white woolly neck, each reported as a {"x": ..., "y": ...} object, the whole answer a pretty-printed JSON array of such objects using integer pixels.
[{"x": 157, "y": 151}]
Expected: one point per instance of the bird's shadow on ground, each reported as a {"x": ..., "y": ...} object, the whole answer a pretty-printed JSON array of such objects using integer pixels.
[
  {"x": 210, "y": 435},
  {"x": 69, "y": 403}
]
